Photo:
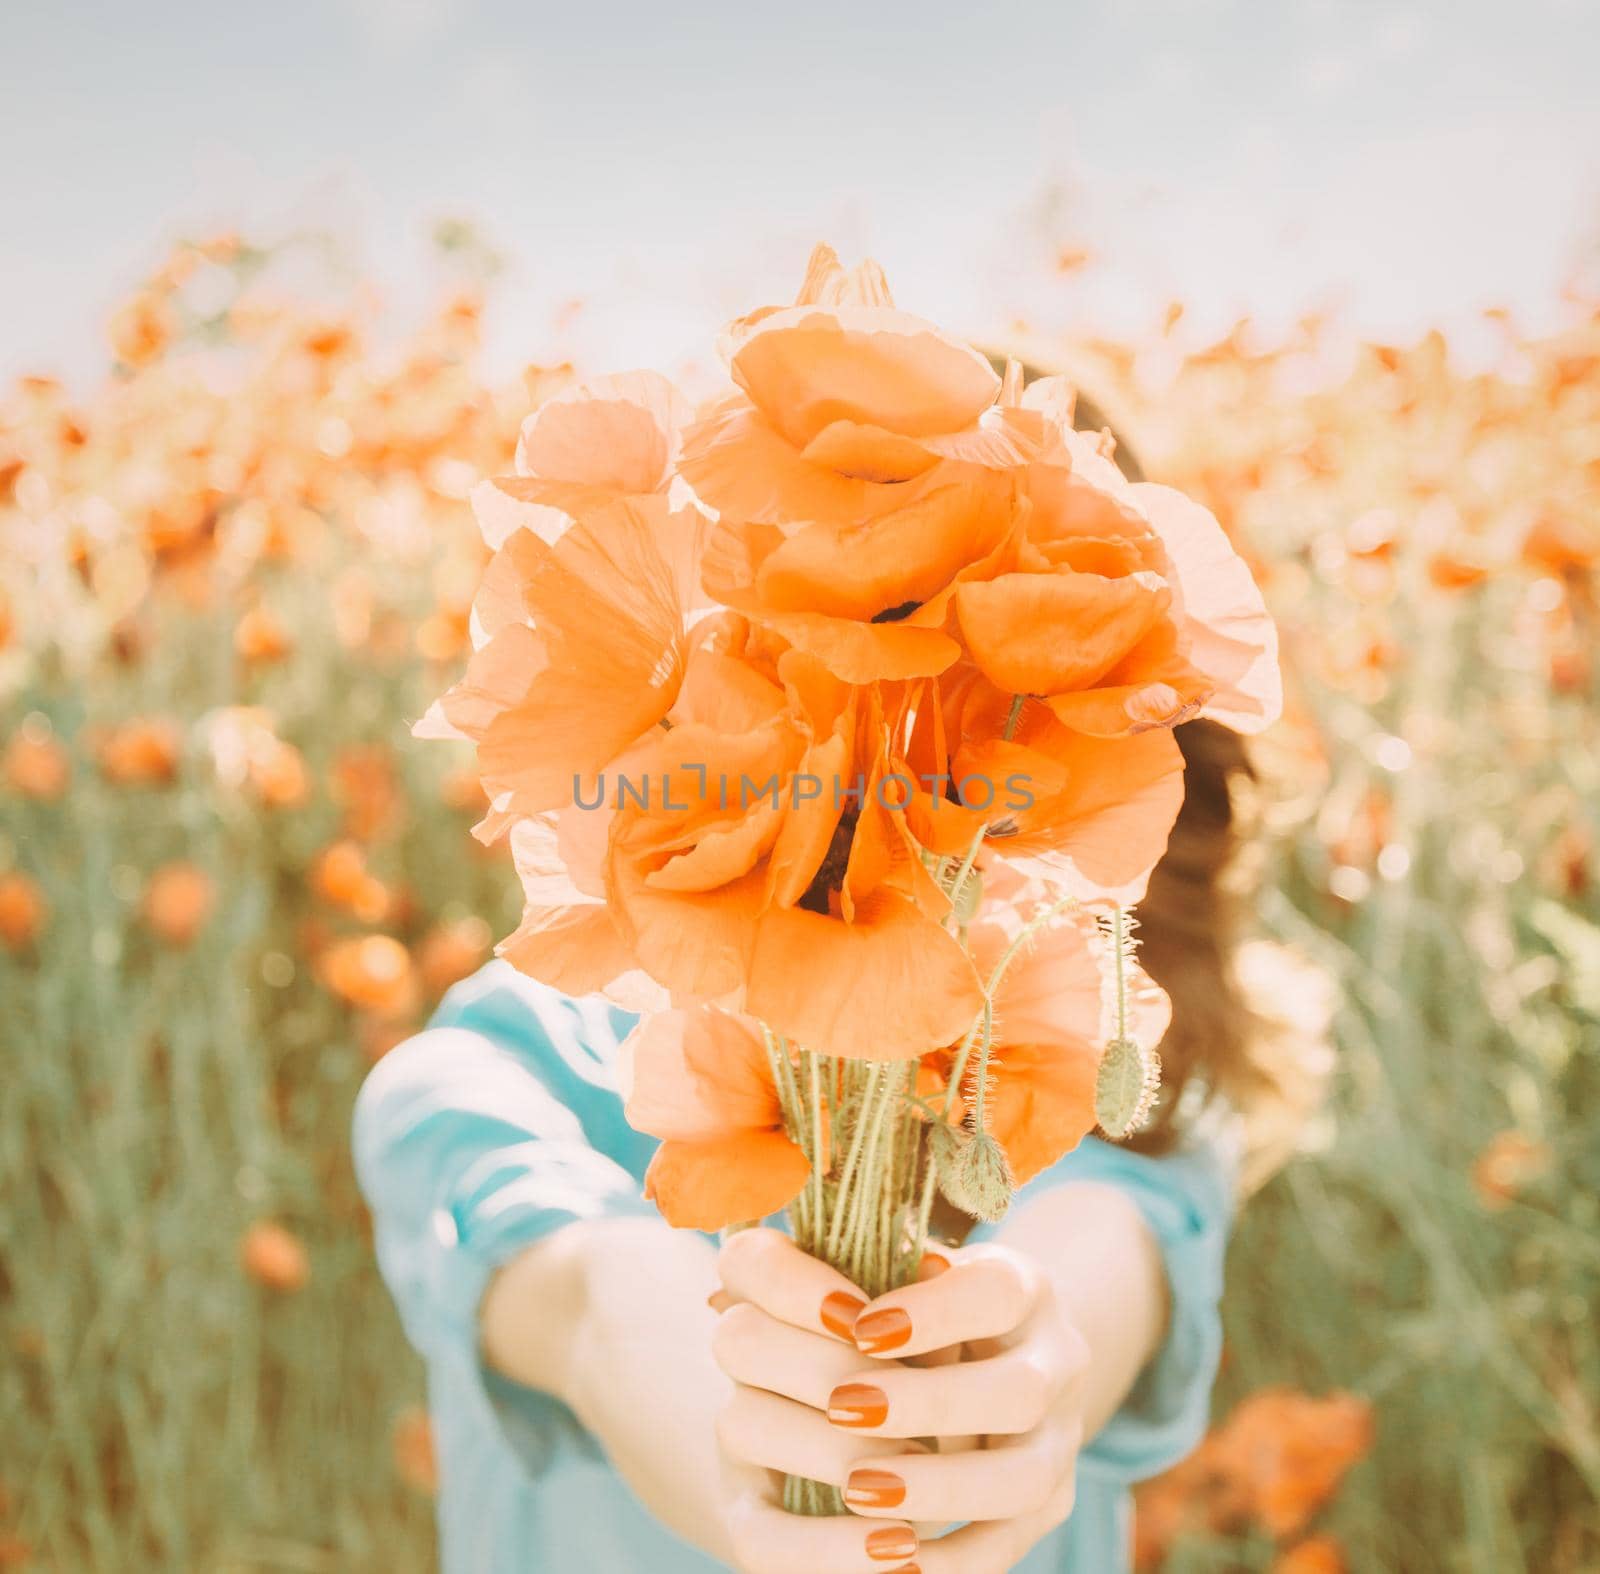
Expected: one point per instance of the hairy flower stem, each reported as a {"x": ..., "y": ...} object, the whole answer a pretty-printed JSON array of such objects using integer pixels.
[{"x": 850, "y": 1211}]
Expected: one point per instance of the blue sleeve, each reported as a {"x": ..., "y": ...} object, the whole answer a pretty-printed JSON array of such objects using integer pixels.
[
  {"x": 1186, "y": 1198},
  {"x": 495, "y": 1126}
]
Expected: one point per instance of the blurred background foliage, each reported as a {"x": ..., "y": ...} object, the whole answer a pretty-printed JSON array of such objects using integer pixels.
[{"x": 233, "y": 571}]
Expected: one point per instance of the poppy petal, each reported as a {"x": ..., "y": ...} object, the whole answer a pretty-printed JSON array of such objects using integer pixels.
[
  {"x": 697, "y": 1073},
  {"x": 727, "y": 1180},
  {"x": 615, "y": 433},
  {"x": 1231, "y": 637},
  {"x": 1050, "y": 633},
  {"x": 887, "y": 987},
  {"x": 807, "y": 366}
]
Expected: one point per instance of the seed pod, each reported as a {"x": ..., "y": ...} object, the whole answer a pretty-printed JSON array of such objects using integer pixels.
[
  {"x": 1125, "y": 1088},
  {"x": 984, "y": 1179}
]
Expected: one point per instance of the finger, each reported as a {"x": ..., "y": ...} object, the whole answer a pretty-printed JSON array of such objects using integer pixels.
[
  {"x": 765, "y": 1429},
  {"x": 1011, "y": 1393},
  {"x": 766, "y": 1267},
  {"x": 766, "y": 1540},
  {"x": 994, "y": 1483},
  {"x": 984, "y": 1294},
  {"x": 754, "y": 1348},
  {"x": 996, "y": 1546}
]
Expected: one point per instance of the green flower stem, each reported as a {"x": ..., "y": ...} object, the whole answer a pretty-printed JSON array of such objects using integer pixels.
[
  {"x": 818, "y": 1204},
  {"x": 852, "y": 1220},
  {"x": 981, "y": 1076},
  {"x": 846, "y": 1180}
]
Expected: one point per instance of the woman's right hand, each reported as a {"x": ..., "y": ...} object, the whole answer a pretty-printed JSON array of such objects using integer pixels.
[{"x": 977, "y": 1357}]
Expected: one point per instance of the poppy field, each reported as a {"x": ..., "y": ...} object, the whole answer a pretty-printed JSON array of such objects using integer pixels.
[{"x": 238, "y": 566}]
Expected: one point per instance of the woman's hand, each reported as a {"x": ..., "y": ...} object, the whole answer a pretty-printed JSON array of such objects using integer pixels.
[{"x": 985, "y": 1426}]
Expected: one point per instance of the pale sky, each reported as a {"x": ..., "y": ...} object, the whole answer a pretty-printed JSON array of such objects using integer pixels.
[{"x": 668, "y": 164}]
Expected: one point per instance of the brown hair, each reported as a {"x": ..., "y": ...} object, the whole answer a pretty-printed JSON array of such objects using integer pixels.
[{"x": 1190, "y": 929}]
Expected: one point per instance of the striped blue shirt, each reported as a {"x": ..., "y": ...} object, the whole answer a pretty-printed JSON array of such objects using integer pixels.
[{"x": 471, "y": 1145}]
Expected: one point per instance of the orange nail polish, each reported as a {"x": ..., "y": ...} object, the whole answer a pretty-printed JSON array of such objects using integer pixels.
[
  {"x": 932, "y": 1266},
  {"x": 874, "y": 1489},
  {"x": 719, "y": 1300},
  {"x": 892, "y": 1544},
  {"x": 839, "y": 1312},
  {"x": 858, "y": 1404},
  {"x": 884, "y": 1330}
]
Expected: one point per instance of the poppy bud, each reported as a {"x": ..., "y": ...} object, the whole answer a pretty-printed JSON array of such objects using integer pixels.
[
  {"x": 984, "y": 1178},
  {"x": 945, "y": 1143},
  {"x": 1125, "y": 1087}
]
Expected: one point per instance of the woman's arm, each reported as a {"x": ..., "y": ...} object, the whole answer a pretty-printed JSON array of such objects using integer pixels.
[
  {"x": 611, "y": 1316},
  {"x": 1105, "y": 1271}
]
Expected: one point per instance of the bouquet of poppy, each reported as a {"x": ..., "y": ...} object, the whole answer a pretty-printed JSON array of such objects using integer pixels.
[{"x": 831, "y": 728}]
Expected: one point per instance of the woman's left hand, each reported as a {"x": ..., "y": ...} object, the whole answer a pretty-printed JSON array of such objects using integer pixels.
[{"x": 1000, "y": 1397}]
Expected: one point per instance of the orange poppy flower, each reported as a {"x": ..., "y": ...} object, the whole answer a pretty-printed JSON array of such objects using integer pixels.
[
  {"x": 810, "y": 897},
  {"x": 599, "y": 442},
  {"x": 340, "y": 876},
  {"x": 247, "y": 753},
  {"x": 1315, "y": 1555},
  {"x": 37, "y": 767},
  {"x": 1560, "y": 544},
  {"x": 700, "y": 1080},
  {"x": 142, "y": 328},
  {"x": 260, "y": 637},
  {"x": 274, "y": 1257},
  {"x": 373, "y": 972},
  {"x": 1092, "y": 815},
  {"x": 757, "y": 867},
  {"x": 1053, "y": 1018},
  {"x": 870, "y": 596},
  {"x": 886, "y": 501},
  {"x": 140, "y": 752},
  {"x": 367, "y": 787},
  {"x": 1276, "y": 1461},
  {"x": 858, "y": 476},
  {"x": 583, "y": 650},
  {"x": 1128, "y": 608},
  {"x": 1506, "y": 1166},
  {"x": 843, "y": 398},
  {"x": 416, "y": 1459},
  {"x": 177, "y": 902},
  {"x": 568, "y": 937},
  {"x": 1298, "y": 1449},
  {"x": 280, "y": 776},
  {"x": 23, "y": 911},
  {"x": 450, "y": 951}
]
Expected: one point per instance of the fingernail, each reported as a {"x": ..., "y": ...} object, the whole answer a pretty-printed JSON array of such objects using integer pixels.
[
  {"x": 932, "y": 1266},
  {"x": 839, "y": 1312},
  {"x": 719, "y": 1300},
  {"x": 874, "y": 1489},
  {"x": 858, "y": 1404},
  {"x": 892, "y": 1544},
  {"x": 883, "y": 1330}
]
